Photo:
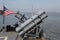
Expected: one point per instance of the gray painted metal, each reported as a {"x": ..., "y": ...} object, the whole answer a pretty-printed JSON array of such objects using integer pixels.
[
  {"x": 23, "y": 25},
  {"x": 31, "y": 25}
]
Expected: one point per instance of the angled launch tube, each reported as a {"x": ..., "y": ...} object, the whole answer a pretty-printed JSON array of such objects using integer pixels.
[
  {"x": 31, "y": 25},
  {"x": 18, "y": 29}
]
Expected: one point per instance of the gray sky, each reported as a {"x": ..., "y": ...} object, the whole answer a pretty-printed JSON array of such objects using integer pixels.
[{"x": 26, "y": 5}]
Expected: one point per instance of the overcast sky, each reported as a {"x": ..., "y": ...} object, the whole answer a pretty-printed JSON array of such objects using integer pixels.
[{"x": 27, "y": 5}]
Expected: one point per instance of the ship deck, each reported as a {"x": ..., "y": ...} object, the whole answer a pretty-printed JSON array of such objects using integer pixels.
[
  {"x": 8, "y": 36},
  {"x": 12, "y": 36}
]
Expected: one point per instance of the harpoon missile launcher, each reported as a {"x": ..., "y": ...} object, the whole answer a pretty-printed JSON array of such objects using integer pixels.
[{"x": 24, "y": 27}]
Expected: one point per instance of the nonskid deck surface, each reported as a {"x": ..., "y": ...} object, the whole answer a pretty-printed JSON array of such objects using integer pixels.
[
  {"x": 8, "y": 36},
  {"x": 12, "y": 36}
]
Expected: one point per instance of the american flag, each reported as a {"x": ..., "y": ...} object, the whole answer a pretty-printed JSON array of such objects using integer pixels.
[{"x": 7, "y": 12}]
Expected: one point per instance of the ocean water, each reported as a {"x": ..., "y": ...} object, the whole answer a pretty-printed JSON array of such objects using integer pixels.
[
  {"x": 51, "y": 24},
  {"x": 8, "y": 20}
]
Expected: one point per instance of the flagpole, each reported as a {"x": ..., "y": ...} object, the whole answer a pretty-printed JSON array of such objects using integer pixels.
[
  {"x": 3, "y": 20},
  {"x": 3, "y": 16}
]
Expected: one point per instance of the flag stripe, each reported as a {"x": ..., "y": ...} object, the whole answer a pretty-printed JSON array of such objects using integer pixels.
[{"x": 7, "y": 12}]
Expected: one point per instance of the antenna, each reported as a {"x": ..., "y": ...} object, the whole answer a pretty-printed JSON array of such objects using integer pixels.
[{"x": 32, "y": 9}]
